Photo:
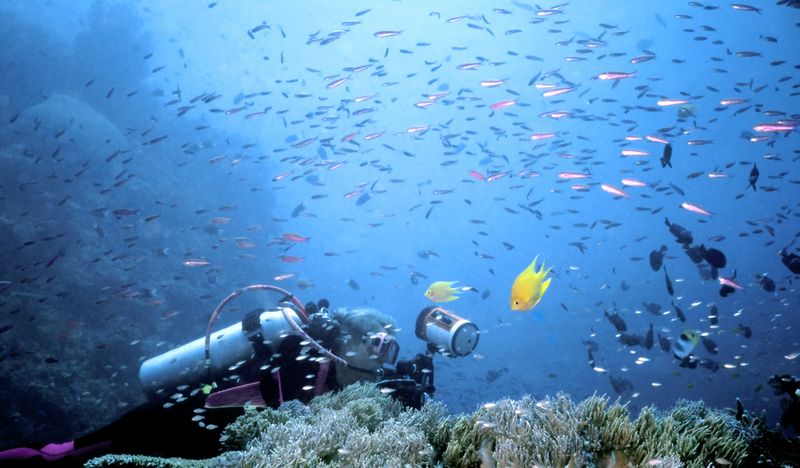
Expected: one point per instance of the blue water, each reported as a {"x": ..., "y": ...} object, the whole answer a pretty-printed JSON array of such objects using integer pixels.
[{"x": 100, "y": 292}]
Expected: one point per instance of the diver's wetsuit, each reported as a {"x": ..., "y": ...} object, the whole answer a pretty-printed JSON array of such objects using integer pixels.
[{"x": 151, "y": 429}]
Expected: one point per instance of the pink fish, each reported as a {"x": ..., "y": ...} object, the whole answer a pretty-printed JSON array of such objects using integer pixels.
[
  {"x": 373, "y": 136},
  {"x": 290, "y": 259},
  {"x": 503, "y": 104},
  {"x": 671, "y": 102},
  {"x": 496, "y": 176},
  {"x": 572, "y": 175},
  {"x": 295, "y": 237},
  {"x": 774, "y": 127},
  {"x": 477, "y": 175},
  {"x": 613, "y": 190},
  {"x": 284, "y": 276},
  {"x": 729, "y": 282},
  {"x": 349, "y": 137},
  {"x": 469, "y": 66},
  {"x": 695, "y": 209},
  {"x": 385, "y": 34},
  {"x": 492, "y": 83},
  {"x": 304, "y": 143},
  {"x": 615, "y": 75},
  {"x": 336, "y": 83},
  {"x": 195, "y": 262},
  {"x": 656, "y": 139},
  {"x": 542, "y": 136},
  {"x": 633, "y": 183},
  {"x": 557, "y": 91},
  {"x": 717, "y": 175},
  {"x": 580, "y": 187},
  {"x": 417, "y": 129},
  {"x": 642, "y": 59},
  {"x": 634, "y": 152},
  {"x": 732, "y": 101}
]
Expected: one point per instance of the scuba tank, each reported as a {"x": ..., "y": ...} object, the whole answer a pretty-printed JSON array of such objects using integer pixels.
[{"x": 187, "y": 364}]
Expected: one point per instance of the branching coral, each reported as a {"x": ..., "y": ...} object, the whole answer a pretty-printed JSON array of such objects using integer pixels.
[{"x": 360, "y": 426}]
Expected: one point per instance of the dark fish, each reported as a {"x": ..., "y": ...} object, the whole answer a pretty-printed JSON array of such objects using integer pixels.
[
  {"x": 426, "y": 254},
  {"x": 682, "y": 235},
  {"x": 591, "y": 359},
  {"x": 679, "y": 312},
  {"x": 664, "y": 343},
  {"x": 707, "y": 272},
  {"x": 767, "y": 283},
  {"x": 713, "y": 315},
  {"x": 652, "y": 307},
  {"x": 753, "y": 178},
  {"x": 621, "y": 385},
  {"x": 5, "y": 328},
  {"x": 363, "y": 199},
  {"x": 670, "y": 289},
  {"x": 353, "y": 284},
  {"x": 792, "y": 261},
  {"x": 55, "y": 257},
  {"x": 694, "y": 253},
  {"x": 120, "y": 212},
  {"x": 648, "y": 341},
  {"x": 710, "y": 345},
  {"x": 677, "y": 189},
  {"x": 631, "y": 339},
  {"x": 51, "y": 360},
  {"x": 666, "y": 157},
  {"x": 726, "y": 290},
  {"x": 657, "y": 258},
  {"x": 617, "y": 321},
  {"x": 298, "y": 209},
  {"x": 709, "y": 364},
  {"x": 714, "y": 257},
  {"x": 744, "y": 330}
]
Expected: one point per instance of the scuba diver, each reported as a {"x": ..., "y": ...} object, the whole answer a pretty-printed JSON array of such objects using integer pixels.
[
  {"x": 788, "y": 385},
  {"x": 290, "y": 352}
]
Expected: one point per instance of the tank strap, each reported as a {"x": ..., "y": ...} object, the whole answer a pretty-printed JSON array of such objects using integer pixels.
[
  {"x": 322, "y": 377},
  {"x": 277, "y": 376}
]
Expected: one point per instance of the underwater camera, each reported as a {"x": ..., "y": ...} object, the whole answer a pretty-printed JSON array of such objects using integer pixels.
[{"x": 450, "y": 334}]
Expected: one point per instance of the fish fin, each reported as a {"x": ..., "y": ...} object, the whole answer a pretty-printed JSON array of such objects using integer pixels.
[
  {"x": 545, "y": 285},
  {"x": 450, "y": 298}
]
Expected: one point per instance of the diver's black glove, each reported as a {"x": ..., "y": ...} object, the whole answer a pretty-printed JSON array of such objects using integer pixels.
[{"x": 412, "y": 381}]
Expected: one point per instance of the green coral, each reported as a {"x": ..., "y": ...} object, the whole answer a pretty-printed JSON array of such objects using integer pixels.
[
  {"x": 145, "y": 462},
  {"x": 360, "y": 426}
]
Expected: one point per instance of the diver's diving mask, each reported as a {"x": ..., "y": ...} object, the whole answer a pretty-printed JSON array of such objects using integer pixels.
[{"x": 384, "y": 346}]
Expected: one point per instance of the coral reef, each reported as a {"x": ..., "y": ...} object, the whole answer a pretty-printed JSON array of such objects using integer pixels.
[{"x": 360, "y": 426}]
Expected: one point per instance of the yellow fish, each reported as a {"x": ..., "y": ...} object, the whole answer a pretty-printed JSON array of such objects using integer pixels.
[
  {"x": 442, "y": 291},
  {"x": 529, "y": 288}
]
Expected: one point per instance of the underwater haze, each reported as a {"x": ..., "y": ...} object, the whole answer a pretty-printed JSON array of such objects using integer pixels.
[{"x": 155, "y": 156}]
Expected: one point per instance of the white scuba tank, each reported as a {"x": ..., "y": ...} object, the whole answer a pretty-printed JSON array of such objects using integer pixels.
[{"x": 186, "y": 364}]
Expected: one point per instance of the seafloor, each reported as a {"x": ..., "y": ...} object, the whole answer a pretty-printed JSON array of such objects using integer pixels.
[{"x": 361, "y": 427}]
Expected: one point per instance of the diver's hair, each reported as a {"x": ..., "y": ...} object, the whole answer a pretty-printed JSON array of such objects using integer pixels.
[{"x": 363, "y": 321}]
